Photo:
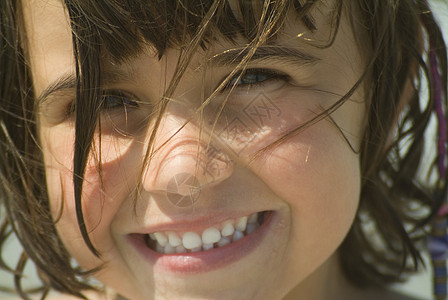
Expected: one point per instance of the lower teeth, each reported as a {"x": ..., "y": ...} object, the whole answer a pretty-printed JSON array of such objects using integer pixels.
[{"x": 251, "y": 227}]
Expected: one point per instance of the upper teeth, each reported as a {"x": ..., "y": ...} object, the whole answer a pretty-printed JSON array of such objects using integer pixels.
[{"x": 229, "y": 231}]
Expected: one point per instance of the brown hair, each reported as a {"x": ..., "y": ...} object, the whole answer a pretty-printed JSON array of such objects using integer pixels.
[{"x": 397, "y": 66}]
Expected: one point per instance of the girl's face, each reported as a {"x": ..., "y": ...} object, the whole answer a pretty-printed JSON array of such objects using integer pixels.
[{"x": 299, "y": 197}]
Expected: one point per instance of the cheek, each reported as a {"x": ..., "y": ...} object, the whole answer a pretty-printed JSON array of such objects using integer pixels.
[
  {"x": 310, "y": 165},
  {"x": 99, "y": 207},
  {"x": 58, "y": 157},
  {"x": 317, "y": 174}
]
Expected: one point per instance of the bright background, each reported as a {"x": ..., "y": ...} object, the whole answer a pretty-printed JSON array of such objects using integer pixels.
[{"x": 418, "y": 286}]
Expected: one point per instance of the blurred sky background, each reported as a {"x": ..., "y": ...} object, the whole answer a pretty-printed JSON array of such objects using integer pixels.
[{"x": 419, "y": 286}]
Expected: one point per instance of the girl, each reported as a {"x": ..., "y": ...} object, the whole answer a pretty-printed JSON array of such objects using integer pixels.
[{"x": 222, "y": 149}]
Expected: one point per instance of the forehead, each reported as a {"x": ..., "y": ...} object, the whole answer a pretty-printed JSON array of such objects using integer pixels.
[{"x": 48, "y": 39}]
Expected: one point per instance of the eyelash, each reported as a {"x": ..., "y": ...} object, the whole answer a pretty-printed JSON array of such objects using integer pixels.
[
  {"x": 122, "y": 99},
  {"x": 255, "y": 77}
]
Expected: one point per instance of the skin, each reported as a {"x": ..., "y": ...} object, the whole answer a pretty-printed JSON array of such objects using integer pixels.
[{"x": 311, "y": 181}]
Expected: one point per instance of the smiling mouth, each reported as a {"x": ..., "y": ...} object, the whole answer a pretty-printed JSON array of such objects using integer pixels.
[{"x": 220, "y": 235}]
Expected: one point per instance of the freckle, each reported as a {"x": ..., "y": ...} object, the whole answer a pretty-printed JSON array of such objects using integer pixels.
[{"x": 307, "y": 154}]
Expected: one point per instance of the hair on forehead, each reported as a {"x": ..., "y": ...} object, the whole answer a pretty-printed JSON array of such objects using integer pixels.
[{"x": 125, "y": 26}]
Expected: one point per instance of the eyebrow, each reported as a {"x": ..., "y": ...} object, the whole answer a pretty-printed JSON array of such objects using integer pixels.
[
  {"x": 65, "y": 82},
  {"x": 68, "y": 81},
  {"x": 282, "y": 53}
]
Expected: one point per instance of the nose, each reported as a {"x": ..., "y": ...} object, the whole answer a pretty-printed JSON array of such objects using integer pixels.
[{"x": 185, "y": 165}]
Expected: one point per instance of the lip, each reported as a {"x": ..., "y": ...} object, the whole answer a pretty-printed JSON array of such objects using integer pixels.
[{"x": 204, "y": 261}]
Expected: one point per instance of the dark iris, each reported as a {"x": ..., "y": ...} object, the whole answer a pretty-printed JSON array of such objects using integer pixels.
[
  {"x": 116, "y": 101},
  {"x": 253, "y": 77}
]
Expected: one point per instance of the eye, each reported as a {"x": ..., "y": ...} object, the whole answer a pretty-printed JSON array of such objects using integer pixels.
[
  {"x": 117, "y": 99},
  {"x": 111, "y": 100},
  {"x": 256, "y": 77},
  {"x": 123, "y": 114}
]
